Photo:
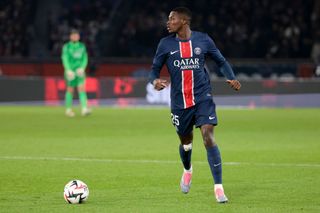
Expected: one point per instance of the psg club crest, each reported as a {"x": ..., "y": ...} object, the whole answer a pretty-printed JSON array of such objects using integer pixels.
[{"x": 197, "y": 50}]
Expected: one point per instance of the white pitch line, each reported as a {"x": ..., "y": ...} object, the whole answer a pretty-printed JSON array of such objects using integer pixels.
[
  {"x": 141, "y": 161},
  {"x": 85, "y": 159}
]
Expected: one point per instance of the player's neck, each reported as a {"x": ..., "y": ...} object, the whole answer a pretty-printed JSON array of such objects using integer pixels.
[{"x": 184, "y": 34}]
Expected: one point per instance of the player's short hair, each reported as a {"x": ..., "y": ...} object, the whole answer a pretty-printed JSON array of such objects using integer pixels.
[
  {"x": 184, "y": 11},
  {"x": 74, "y": 31}
]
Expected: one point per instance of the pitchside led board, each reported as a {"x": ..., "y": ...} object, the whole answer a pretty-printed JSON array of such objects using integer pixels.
[
  {"x": 108, "y": 88},
  {"x": 52, "y": 90}
]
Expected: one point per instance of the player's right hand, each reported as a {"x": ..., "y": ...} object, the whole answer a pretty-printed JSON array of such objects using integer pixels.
[
  {"x": 160, "y": 84},
  {"x": 70, "y": 75}
]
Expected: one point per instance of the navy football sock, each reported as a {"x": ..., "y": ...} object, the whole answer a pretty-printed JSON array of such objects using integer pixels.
[
  {"x": 214, "y": 160},
  {"x": 185, "y": 157}
]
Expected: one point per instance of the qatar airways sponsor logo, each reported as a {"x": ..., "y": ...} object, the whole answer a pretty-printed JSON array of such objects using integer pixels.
[{"x": 187, "y": 63}]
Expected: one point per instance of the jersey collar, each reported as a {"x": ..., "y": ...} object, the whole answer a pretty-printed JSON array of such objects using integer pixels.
[{"x": 184, "y": 40}]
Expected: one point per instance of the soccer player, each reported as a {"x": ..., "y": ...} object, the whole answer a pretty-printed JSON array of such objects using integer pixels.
[
  {"x": 184, "y": 53},
  {"x": 75, "y": 59}
]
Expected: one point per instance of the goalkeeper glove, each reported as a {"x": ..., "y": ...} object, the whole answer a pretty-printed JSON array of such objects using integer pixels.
[
  {"x": 80, "y": 72},
  {"x": 70, "y": 75}
]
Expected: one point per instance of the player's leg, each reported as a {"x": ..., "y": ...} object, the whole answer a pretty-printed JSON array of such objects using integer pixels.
[
  {"x": 183, "y": 122},
  {"x": 68, "y": 101},
  {"x": 206, "y": 119},
  {"x": 214, "y": 160},
  {"x": 83, "y": 97},
  {"x": 185, "y": 151},
  {"x": 71, "y": 83},
  {"x": 213, "y": 153}
]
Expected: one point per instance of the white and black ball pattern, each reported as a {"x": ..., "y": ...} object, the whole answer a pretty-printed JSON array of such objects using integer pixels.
[{"x": 76, "y": 192}]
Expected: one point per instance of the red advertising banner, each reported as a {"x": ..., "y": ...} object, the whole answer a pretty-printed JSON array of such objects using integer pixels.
[
  {"x": 55, "y": 90},
  {"x": 96, "y": 89}
]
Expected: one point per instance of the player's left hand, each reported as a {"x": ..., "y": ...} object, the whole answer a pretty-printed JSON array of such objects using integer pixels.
[
  {"x": 235, "y": 84},
  {"x": 80, "y": 72}
]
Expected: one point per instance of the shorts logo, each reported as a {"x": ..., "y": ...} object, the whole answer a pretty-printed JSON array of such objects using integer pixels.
[
  {"x": 197, "y": 50},
  {"x": 211, "y": 118}
]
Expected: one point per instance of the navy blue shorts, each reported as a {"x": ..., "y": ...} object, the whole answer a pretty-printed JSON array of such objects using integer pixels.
[{"x": 198, "y": 115}]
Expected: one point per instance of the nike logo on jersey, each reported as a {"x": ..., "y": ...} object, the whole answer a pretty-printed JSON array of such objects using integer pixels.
[
  {"x": 173, "y": 52},
  {"x": 211, "y": 117}
]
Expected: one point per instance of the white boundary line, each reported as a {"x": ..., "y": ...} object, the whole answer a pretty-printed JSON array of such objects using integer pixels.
[{"x": 141, "y": 161}]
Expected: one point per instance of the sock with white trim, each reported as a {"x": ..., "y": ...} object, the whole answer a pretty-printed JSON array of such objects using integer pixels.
[{"x": 214, "y": 160}]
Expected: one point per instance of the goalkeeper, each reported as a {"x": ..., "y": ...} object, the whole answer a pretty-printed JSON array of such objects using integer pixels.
[{"x": 75, "y": 59}]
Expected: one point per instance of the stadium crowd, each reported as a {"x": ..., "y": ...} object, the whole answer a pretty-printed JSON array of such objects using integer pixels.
[
  {"x": 15, "y": 27},
  {"x": 240, "y": 28},
  {"x": 89, "y": 17}
]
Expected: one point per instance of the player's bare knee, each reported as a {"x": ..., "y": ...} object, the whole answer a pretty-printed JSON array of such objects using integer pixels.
[
  {"x": 207, "y": 135},
  {"x": 186, "y": 139},
  {"x": 81, "y": 88},
  {"x": 186, "y": 142},
  {"x": 208, "y": 140},
  {"x": 209, "y": 143},
  {"x": 70, "y": 89}
]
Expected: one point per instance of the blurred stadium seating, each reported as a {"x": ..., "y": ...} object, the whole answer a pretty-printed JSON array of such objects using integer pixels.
[
  {"x": 33, "y": 33},
  {"x": 263, "y": 40},
  {"x": 241, "y": 29}
]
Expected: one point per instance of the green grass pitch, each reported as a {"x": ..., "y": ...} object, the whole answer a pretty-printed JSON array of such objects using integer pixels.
[{"x": 129, "y": 159}]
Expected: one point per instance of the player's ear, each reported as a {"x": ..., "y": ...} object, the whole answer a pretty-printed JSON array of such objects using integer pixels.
[{"x": 184, "y": 21}]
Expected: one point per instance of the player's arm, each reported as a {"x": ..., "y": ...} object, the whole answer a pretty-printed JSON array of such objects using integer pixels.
[
  {"x": 65, "y": 58},
  {"x": 84, "y": 62},
  {"x": 157, "y": 64},
  {"x": 223, "y": 64},
  {"x": 228, "y": 72},
  {"x": 66, "y": 63}
]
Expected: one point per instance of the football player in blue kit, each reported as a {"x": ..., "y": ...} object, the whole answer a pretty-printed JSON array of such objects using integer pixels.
[{"x": 184, "y": 53}]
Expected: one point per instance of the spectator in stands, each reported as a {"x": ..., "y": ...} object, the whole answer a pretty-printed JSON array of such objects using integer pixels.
[
  {"x": 253, "y": 29},
  {"x": 268, "y": 29},
  {"x": 15, "y": 30},
  {"x": 90, "y": 17}
]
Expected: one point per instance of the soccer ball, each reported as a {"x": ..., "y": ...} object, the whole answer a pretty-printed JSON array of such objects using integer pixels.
[{"x": 76, "y": 192}]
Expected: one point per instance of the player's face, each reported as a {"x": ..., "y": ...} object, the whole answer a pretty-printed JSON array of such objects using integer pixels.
[
  {"x": 75, "y": 37},
  {"x": 174, "y": 23}
]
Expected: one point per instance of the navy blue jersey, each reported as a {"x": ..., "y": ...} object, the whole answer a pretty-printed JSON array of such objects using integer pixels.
[{"x": 185, "y": 60}]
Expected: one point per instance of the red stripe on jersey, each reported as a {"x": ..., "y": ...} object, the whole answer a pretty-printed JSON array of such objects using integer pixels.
[
  {"x": 187, "y": 75},
  {"x": 185, "y": 49},
  {"x": 187, "y": 88}
]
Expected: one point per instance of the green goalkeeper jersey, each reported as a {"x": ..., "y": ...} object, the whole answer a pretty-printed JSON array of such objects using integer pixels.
[{"x": 74, "y": 56}]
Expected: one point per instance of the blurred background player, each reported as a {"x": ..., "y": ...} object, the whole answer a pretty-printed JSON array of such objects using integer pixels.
[
  {"x": 75, "y": 59},
  {"x": 184, "y": 53},
  {"x": 315, "y": 54}
]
